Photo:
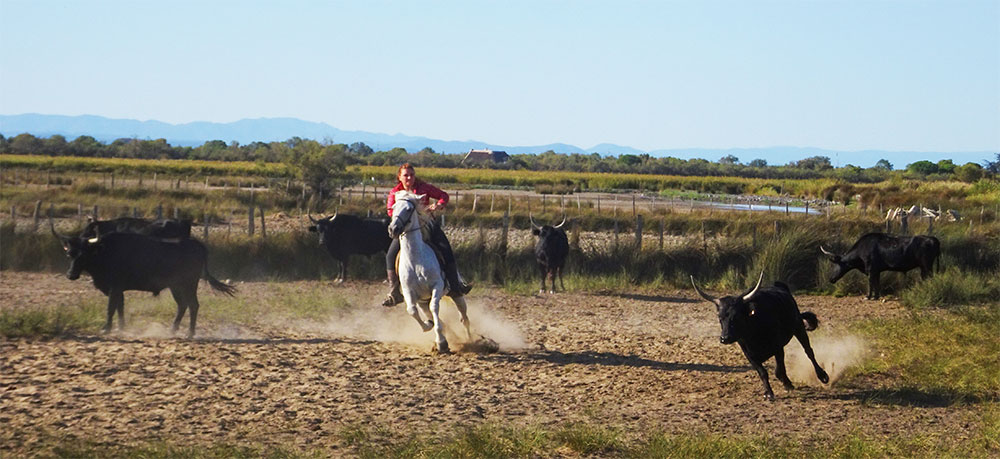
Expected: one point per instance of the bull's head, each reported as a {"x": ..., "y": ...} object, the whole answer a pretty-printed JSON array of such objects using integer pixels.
[
  {"x": 321, "y": 226},
  {"x": 734, "y": 311},
  {"x": 840, "y": 266},
  {"x": 539, "y": 230},
  {"x": 78, "y": 250}
]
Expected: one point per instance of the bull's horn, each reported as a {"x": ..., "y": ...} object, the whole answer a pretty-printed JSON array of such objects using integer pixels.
[
  {"x": 827, "y": 252},
  {"x": 703, "y": 294},
  {"x": 311, "y": 218},
  {"x": 533, "y": 224},
  {"x": 52, "y": 226},
  {"x": 749, "y": 295},
  {"x": 561, "y": 224},
  {"x": 97, "y": 237}
]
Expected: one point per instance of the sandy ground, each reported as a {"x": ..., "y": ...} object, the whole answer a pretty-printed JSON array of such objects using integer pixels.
[{"x": 639, "y": 362}]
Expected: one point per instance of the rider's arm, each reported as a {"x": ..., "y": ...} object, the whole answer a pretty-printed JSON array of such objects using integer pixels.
[{"x": 436, "y": 193}]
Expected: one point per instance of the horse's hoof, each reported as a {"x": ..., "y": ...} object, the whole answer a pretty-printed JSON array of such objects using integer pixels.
[{"x": 442, "y": 348}]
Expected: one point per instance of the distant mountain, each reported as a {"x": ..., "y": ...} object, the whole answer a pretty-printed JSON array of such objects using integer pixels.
[
  {"x": 243, "y": 131},
  {"x": 281, "y": 129}
]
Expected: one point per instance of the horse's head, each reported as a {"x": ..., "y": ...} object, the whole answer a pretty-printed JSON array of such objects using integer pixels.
[{"x": 406, "y": 207}]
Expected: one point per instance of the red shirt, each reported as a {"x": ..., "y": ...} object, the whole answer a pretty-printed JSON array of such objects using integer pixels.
[{"x": 429, "y": 191}]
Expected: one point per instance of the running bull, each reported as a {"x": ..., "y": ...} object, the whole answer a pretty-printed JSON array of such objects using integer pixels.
[{"x": 762, "y": 321}]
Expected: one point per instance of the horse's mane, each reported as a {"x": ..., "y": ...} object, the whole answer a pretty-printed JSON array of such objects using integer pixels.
[{"x": 422, "y": 214}]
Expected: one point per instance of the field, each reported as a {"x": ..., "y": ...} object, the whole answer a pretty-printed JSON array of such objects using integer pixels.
[
  {"x": 627, "y": 363},
  {"x": 346, "y": 376}
]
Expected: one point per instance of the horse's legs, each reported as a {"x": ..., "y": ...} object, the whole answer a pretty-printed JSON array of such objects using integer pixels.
[
  {"x": 463, "y": 310},
  {"x": 435, "y": 305},
  {"x": 411, "y": 307},
  {"x": 425, "y": 306}
]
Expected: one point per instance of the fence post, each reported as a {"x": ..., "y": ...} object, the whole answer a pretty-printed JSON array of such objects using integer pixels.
[
  {"x": 930, "y": 225},
  {"x": 475, "y": 201},
  {"x": 638, "y": 230},
  {"x": 96, "y": 213},
  {"x": 633, "y": 204},
  {"x": 208, "y": 222},
  {"x": 263, "y": 227},
  {"x": 250, "y": 221},
  {"x": 904, "y": 226},
  {"x": 442, "y": 220},
  {"x": 38, "y": 209},
  {"x": 704, "y": 238},
  {"x": 493, "y": 198},
  {"x": 177, "y": 213},
  {"x": 661, "y": 234},
  {"x": 503, "y": 234},
  {"x": 616, "y": 231}
]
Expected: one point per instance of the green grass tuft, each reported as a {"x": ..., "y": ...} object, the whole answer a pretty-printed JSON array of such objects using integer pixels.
[{"x": 953, "y": 288}]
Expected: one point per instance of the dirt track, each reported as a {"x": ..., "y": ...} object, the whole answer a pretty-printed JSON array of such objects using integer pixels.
[{"x": 639, "y": 362}]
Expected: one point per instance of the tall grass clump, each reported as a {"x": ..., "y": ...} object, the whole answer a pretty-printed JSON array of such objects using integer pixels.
[
  {"x": 952, "y": 288},
  {"x": 792, "y": 257}
]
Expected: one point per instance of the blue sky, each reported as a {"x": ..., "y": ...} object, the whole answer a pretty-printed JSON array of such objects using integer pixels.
[{"x": 845, "y": 75}]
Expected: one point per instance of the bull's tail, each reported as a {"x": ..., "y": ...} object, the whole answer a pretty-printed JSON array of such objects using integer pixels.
[
  {"x": 216, "y": 284},
  {"x": 810, "y": 320}
]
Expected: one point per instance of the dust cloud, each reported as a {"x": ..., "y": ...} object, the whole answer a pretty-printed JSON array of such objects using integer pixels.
[
  {"x": 836, "y": 354},
  {"x": 395, "y": 325}
]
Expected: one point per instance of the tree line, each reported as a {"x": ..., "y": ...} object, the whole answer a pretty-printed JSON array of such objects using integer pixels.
[{"x": 316, "y": 160}]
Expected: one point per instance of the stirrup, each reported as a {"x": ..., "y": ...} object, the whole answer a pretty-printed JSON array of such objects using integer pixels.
[{"x": 391, "y": 301}]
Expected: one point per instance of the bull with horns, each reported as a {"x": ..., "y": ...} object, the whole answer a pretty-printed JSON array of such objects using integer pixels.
[{"x": 551, "y": 251}]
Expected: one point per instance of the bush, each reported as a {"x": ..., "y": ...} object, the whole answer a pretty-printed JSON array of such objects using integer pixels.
[{"x": 953, "y": 287}]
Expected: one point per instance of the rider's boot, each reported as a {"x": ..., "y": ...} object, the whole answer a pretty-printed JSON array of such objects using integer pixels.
[
  {"x": 395, "y": 296},
  {"x": 456, "y": 287}
]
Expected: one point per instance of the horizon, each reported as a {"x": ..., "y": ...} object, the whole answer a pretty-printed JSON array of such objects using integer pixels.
[
  {"x": 775, "y": 155},
  {"x": 720, "y": 75}
]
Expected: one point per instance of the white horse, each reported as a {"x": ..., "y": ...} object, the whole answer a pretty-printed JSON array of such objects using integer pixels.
[{"x": 421, "y": 279}]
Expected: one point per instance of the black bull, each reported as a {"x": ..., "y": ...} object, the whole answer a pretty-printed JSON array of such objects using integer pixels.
[
  {"x": 877, "y": 252},
  {"x": 762, "y": 321},
  {"x": 345, "y": 235},
  {"x": 118, "y": 262},
  {"x": 551, "y": 251}
]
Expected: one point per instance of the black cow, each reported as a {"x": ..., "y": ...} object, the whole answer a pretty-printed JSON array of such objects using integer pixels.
[
  {"x": 118, "y": 262},
  {"x": 877, "y": 252},
  {"x": 345, "y": 235},
  {"x": 763, "y": 321},
  {"x": 550, "y": 252},
  {"x": 161, "y": 228}
]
